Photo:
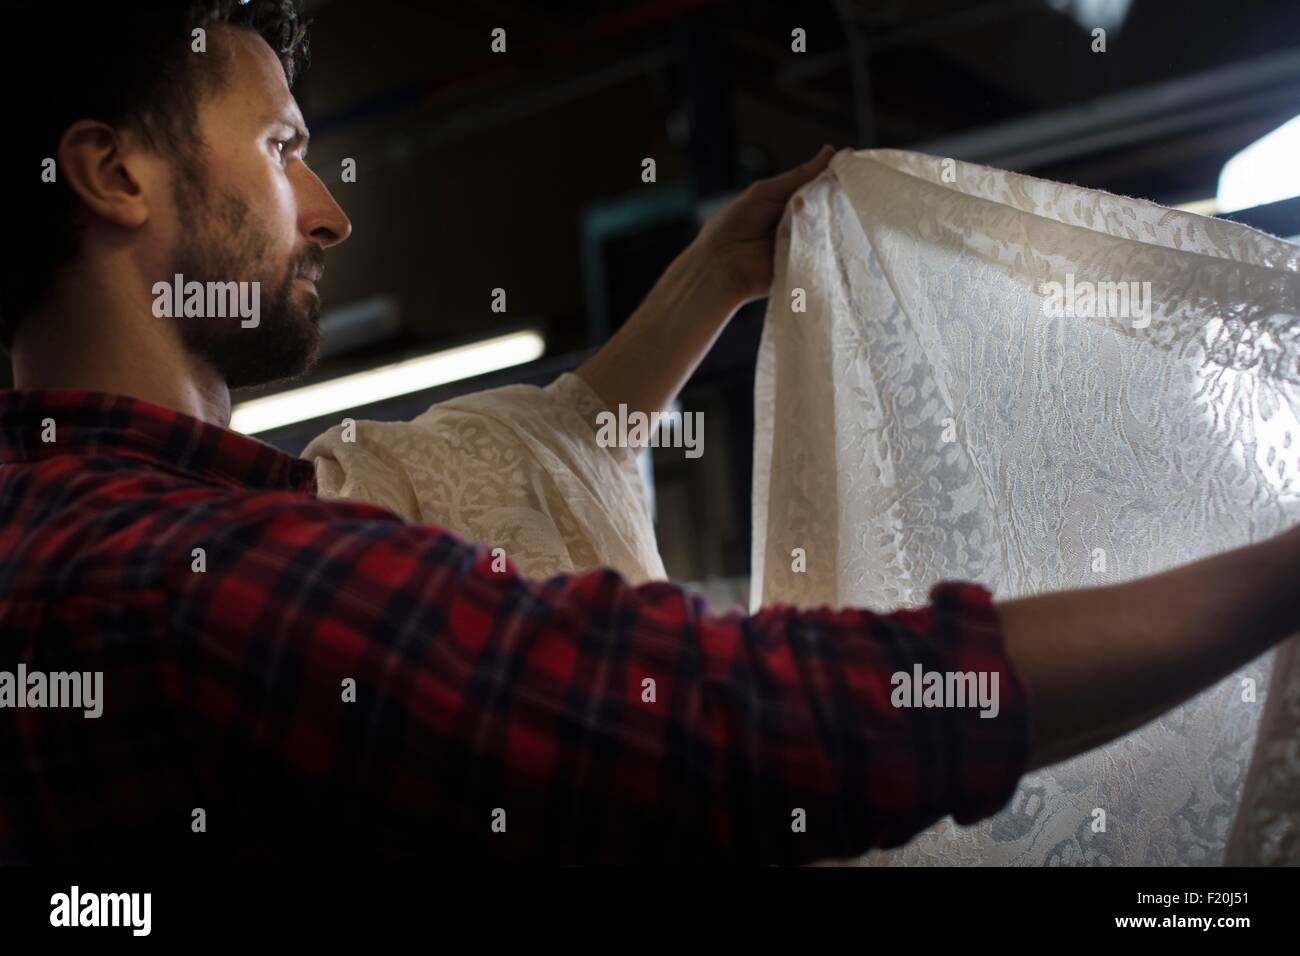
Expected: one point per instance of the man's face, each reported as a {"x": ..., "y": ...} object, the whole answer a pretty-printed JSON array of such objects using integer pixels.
[{"x": 251, "y": 210}]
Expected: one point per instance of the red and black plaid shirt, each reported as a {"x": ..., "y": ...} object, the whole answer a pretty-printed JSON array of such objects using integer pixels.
[{"x": 493, "y": 717}]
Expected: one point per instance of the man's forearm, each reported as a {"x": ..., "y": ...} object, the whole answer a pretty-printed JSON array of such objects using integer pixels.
[
  {"x": 646, "y": 363},
  {"x": 729, "y": 263},
  {"x": 1100, "y": 661}
]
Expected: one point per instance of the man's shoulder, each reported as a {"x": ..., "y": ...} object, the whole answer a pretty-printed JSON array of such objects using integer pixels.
[{"x": 100, "y": 522}]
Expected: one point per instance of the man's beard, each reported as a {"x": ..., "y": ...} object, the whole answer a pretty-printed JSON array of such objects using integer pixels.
[{"x": 221, "y": 242}]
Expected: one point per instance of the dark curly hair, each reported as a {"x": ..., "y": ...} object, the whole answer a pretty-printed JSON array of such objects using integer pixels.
[{"x": 127, "y": 64}]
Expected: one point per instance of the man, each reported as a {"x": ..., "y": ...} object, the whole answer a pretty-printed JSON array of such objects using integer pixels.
[{"x": 286, "y": 679}]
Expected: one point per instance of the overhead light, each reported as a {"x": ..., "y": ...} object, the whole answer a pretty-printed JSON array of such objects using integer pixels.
[
  {"x": 1091, "y": 14},
  {"x": 1265, "y": 171},
  {"x": 388, "y": 381},
  {"x": 1202, "y": 207}
]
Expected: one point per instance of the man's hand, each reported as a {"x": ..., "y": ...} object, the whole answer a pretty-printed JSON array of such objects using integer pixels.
[
  {"x": 728, "y": 264},
  {"x": 739, "y": 240}
]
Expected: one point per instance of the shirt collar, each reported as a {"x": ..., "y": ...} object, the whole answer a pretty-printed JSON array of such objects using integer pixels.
[{"x": 85, "y": 423}]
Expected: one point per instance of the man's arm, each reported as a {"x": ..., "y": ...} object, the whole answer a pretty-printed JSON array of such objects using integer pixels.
[
  {"x": 595, "y": 721},
  {"x": 1101, "y": 661},
  {"x": 426, "y": 699}
]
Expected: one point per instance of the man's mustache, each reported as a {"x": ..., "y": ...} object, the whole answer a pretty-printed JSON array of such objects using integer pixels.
[{"x": 312, "y": 263}]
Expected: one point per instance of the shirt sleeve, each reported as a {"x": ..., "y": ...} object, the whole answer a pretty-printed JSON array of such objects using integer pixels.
[{"x": 413, "y": 691}]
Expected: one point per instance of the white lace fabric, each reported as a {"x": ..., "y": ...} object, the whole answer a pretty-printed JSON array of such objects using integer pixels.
[
  {"x": 516, "y": 468},
  {"x": 923, "y": 419}
]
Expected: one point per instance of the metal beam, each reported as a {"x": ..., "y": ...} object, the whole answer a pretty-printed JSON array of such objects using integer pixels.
[{"x": 1264, "y": 83}]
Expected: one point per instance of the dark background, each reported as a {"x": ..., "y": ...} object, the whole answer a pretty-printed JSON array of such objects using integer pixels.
[{"x": 522, "y": 170}]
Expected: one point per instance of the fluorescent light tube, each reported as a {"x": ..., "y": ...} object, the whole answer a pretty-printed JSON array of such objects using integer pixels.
[
  {"x": 388, "y": 381},
  {"x": 1265, "y": 171}
]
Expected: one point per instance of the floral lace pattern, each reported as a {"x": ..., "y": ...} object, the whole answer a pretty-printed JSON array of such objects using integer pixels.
[
  {"x": 516, "y": 468},
  {"x": 924, "y": 418}
]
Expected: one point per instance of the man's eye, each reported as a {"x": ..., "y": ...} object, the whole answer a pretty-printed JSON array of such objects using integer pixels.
[{"x": 280, "y": 145}]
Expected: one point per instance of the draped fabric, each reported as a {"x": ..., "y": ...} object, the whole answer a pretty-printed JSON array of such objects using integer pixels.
[
  {"x": 930, "y": 405},
  {"x": 920, "y": 417},
  {"x": 516, "y": 468}
]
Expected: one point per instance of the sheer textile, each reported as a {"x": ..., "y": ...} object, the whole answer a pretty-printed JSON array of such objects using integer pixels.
[{"x": 927, "y": 416}]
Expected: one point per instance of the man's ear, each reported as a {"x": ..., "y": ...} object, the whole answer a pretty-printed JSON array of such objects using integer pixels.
[{"x": 105, "y": 171}]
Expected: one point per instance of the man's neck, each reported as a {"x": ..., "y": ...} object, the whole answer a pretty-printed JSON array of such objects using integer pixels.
[{"x": 116, "y": 347}]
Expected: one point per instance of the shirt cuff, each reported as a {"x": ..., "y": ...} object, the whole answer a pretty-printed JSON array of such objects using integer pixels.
[{"x": 989, "y": 754}]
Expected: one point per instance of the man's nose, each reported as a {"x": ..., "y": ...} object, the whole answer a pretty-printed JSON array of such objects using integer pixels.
[{"x": 323, "y": 218}]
